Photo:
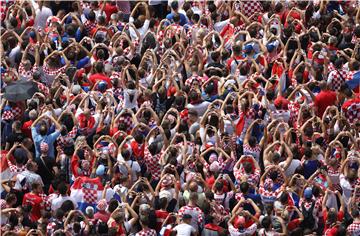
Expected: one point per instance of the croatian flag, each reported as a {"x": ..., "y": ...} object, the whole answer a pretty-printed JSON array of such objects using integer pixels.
[
  {"x": 86, "y": 191},
  {"x": 354, "y": 81}
]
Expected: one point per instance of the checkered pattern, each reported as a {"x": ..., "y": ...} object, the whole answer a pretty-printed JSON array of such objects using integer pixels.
[
  {"x": 146, "y": 232},
  {"x": 255, "y": 151},
  {"x": 266, "y": 193},
  {"x": 46, "y": 201},
  {"x": 195, "y": 212},
  {"x": 14, "y": 169},
  {"x": 68, "y": 138},
  {"x": 252, "y": 178},
  {"x": 294, "y": 109},
  {"x": 280, "y": 181},
  {"x": 27, "y": 74},
  {"x": 153, "y": 163},
  {"x": 189, "y": 81},
  {"x": 352, "y": 112},
  {"x": 7, "y": 115},
  {"x": 248, "y": 8},
  {"x": 90, "y": 195},
  {"x": 354, "y": 229},
  {"x": 53, "y": 71},
  {"x": 43, "y": 88},
  {"x": 127, "y": 120},
  {"x": 337, "y": 78},
  {"x": 3, "y": 204},
  {"x": 89, "y": 26}
]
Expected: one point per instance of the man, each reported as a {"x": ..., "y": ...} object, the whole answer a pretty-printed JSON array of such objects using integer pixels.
[
  {"x": 40, "y": 134},
  {"x": 100, "y": 75},
  {"x": 34, "y": 200},
  {"x": 354, "y": 228},
  {"x": 27, "y": 178},
  {"x": 185, "y": 228},
  {"x": 57, "y": 202},
  {"x": 175, "y": 10},
  {"x": 195, "y": 212},
  {"x": 324, "y": 99},
  {"x": 144, "y": 222}
]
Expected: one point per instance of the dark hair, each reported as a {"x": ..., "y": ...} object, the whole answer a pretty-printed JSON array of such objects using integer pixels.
[
  {"x": 244, "y": 187},
  {"x": 266, "y": 222},
  {"x": 99, "y": 67},
  {"x": 113, "y": 204},
  {"x": 68, "y": 205},
  {"x": 62, "y": 188}
]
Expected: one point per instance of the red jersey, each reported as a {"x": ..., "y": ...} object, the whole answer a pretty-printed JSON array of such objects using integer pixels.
[
  {"x": 37, "y": 204},
  {"x": 323, "y": 100},
  {"x": 160, "y": 218}
]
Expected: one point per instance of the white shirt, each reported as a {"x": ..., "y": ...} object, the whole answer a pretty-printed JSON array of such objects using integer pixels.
[
  {"x": 57, "y": 202},
  {"x": 142, "y": 30},
  {"x": 218, "y": 26},
  {"x": 41, "y": 17},
  {"x": 184, "y": 229},
  {"x": 200, "y": 108},
  {"x": 292, "y": 167}
]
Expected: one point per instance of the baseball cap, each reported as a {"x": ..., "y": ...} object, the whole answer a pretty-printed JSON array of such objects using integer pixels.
[
  {"x": 102, "y": 86},
  {"x": 248, "y": 48},
  {"x": 100, "y": 170},
  {"x": 308, "y": 193}
]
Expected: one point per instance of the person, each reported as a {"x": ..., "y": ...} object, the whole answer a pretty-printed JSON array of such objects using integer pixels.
[
  {"x": 180, "y": 117},
  {"x": 63, "y": 196},
  {"x": 40, "y": 135},
  {"x": 185, "y": 228},
  {"x": 35, "y": 201}
]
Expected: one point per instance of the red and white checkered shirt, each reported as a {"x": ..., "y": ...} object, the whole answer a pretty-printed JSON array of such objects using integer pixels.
[
  {"x": 17, "y": 112},
  {"x": 43, "y": 88},
  {"x": 354, "y": 229},
  {"x": 27, "y": 74},
  {"x": 146, "y": 232},
  {"x": 252, "y": 178},
  {"x": 336, "y": 78},
  {"x": 15, "y": 169},
  {"x": 89, "y": 26},
  {"x": 53, "y": 71},
  {"x": 195, "y": 212},
  {"x": 153, "y": 163}
]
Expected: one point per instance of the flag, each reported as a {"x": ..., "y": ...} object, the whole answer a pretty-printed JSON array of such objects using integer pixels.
[
  {"x": 354, "y": 81},
  {"x": 351, "y": 109},
  {"x": 86, "y": 191}
]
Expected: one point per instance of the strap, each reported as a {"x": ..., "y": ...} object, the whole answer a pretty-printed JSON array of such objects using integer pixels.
[{"x": 41, "y": 158}]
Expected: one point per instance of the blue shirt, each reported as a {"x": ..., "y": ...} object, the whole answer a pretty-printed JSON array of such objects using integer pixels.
[
  {"x": 49, "y": 139},
  {"x": 183, "y": 19}
]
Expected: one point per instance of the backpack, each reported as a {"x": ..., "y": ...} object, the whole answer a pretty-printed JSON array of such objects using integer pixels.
[{"x": 309, "y": 220}]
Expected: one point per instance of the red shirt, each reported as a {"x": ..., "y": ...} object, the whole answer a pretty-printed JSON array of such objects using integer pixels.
[
  {"x": 103, "y": 216},
  {"x": 100, "y": 77},
  {"x": 323, "y": 100},
  {"x": 26, "y": 128},
  {"x": 160, "y": 218},
  {"x": 340, "y": 217},
  {"x": 37, "y": 204},
  {"x": 109, "y": 10}
]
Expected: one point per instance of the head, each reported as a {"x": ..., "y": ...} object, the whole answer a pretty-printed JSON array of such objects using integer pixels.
[
  {"x": 36, "y": 188},
  {"x": 43, "y": 129}
]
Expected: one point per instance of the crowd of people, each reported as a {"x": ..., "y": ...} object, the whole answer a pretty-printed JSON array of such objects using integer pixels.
[{"x": 181, "y": 118}]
